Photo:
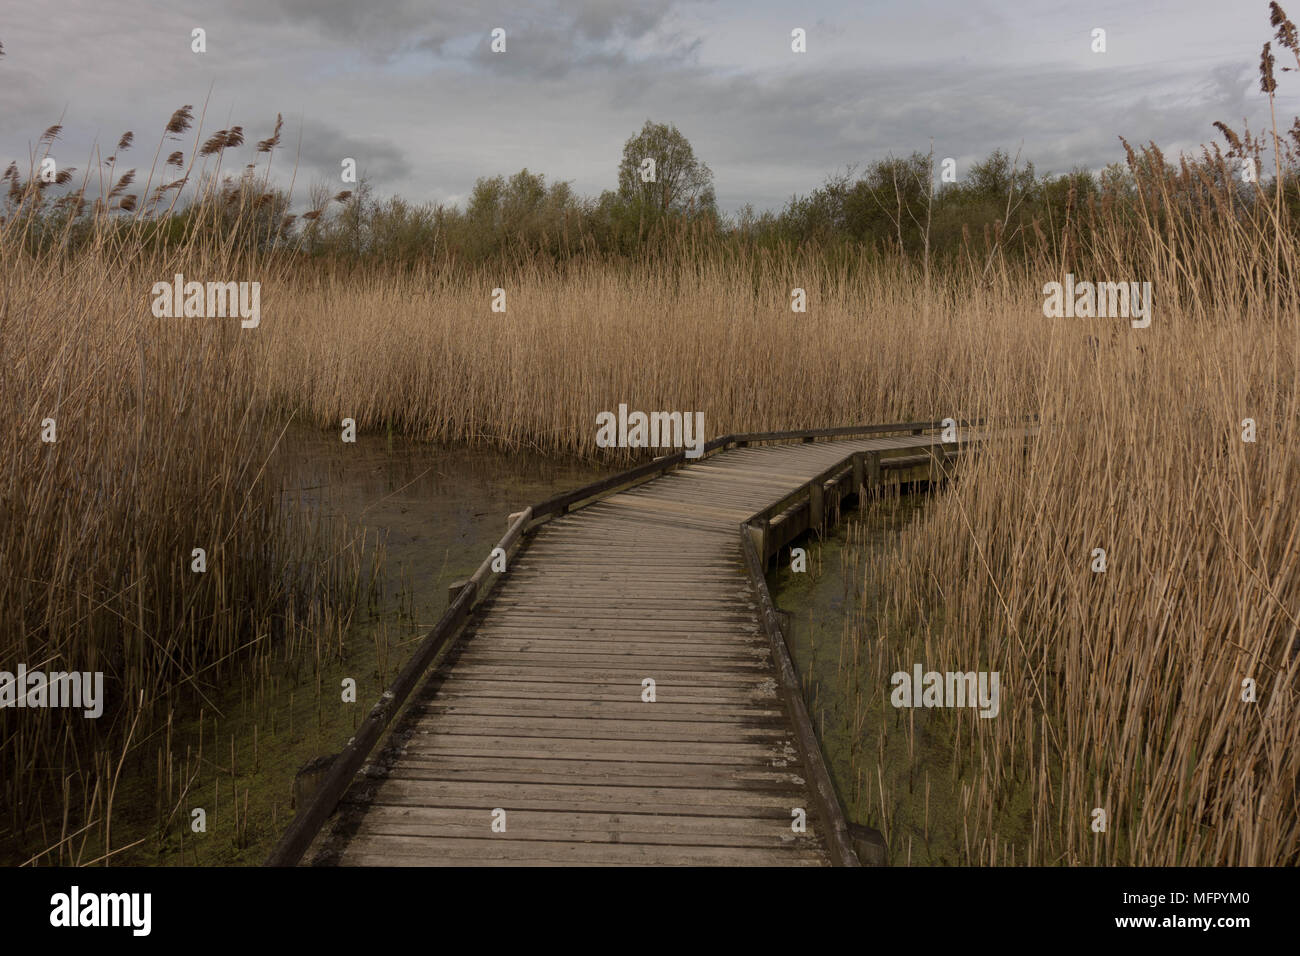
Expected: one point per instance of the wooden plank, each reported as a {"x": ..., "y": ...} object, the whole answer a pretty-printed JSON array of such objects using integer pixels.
[
  {"x": 666, "y": 691},
  {"x": 684, "y": 674},
  {"x": 577, "y": 772},
  {"x": 645, "y": 596},
  {"x": 591, "y": 827},
  {"x": 710, "y": 753},
  {"x": 385, "y": 850},
  {"x": 634, "y": 710},
  {"x": 713, "y": 752},
  {"x": 682, "y": 622},
  {"x": 710, "y": 801},
  {"x": 567, "y": 642},
  {"x": 592, "y": 728},
  {"x": 519, "y": 623},
  {"x": 647, "y": 664}
]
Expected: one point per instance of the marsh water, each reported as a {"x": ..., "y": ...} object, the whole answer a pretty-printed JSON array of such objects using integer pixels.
[
  {"x": 436, "y": 512},
  {"x": 893, "y": 769}
]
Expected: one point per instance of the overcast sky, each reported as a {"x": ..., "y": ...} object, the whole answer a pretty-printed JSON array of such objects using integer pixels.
[{"x": 411, "y": 89}]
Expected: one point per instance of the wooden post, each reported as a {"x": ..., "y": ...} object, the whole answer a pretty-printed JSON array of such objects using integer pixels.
[
  {"x": 758, "y": 532},
  {"x": 454, "y": 589},
  {"x": 859, "y": 478},
  {"x": 873, "y": 472},
  {"x": 784, "y": 620},
  {"x": 939, "y": 461},
  {"x": 869, "y": 845},
  {"x": 816, "y": 504}
]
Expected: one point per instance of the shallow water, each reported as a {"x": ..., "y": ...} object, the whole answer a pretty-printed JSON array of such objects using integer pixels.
[
  {"x": 909, "y": 790},
  {"x": 438, "y": 512},
  {"x": 440, "y": 509}
]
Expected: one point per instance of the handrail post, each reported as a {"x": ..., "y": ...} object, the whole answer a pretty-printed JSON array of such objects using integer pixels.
[
  {"x": 816, "y": 503},
  {"x": 759, "y": 533}
]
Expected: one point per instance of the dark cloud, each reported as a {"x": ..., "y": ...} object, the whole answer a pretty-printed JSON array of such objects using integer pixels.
[
  {"x": 548, "y": 37},
  {"x": 379, "y": 27},
  {"x": 324, "y": 147}
]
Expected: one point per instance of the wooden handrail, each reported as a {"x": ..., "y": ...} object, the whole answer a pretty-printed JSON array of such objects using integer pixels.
[{"x": 562, "y": 503}]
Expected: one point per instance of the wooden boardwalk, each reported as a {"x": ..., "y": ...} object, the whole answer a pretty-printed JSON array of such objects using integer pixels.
[{"x": 534, "y": 741}]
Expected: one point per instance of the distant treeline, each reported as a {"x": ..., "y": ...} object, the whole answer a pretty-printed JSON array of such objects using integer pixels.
[{"x": 921, "y": 208}]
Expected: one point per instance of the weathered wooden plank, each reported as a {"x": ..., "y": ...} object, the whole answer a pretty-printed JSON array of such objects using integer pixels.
[
  {"x": 708, "y": 753},
  {"x": 647, "y": 664},
  {"x": 573, "y": 600},
  {"x": 711, "y": 801},
  {"x": 634, "y": 710},
  {"x": 692, "y": 637},
  {"x": 687, "y": 652},
  {"x": 415, "y": 766},
  {"x": 680, "y": 674},
  {"x": 666, "y": 691},
  {"x": 384, "y": 850},
  {"x": 652, "y": 593},
  {"x": 593, "y": 728},
  {"x": 778, "y": 753},
  {"x": 586, "y": 827}
]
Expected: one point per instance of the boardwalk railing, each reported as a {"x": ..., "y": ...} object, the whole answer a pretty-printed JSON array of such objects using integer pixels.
[{"x": 761, "y": 537}]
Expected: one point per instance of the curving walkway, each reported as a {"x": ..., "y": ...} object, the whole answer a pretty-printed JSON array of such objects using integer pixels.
[{"x": 535, "y": 742}]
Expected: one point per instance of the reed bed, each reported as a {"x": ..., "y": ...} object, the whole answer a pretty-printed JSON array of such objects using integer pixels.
[
  {"x": 427, "y": 354},
  {"x": 1122, "y": 689},
  {"x": 129, "y": 442}
]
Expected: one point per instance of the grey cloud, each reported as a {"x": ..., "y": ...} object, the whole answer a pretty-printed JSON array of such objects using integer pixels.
[
  {"x": 411, "y": 90},
  {"x": 541, "y": 35},
  {"x": 602, "y": 20},
  {"x": 324, "y": 147},
  {"x": 386, "y": 26}
]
